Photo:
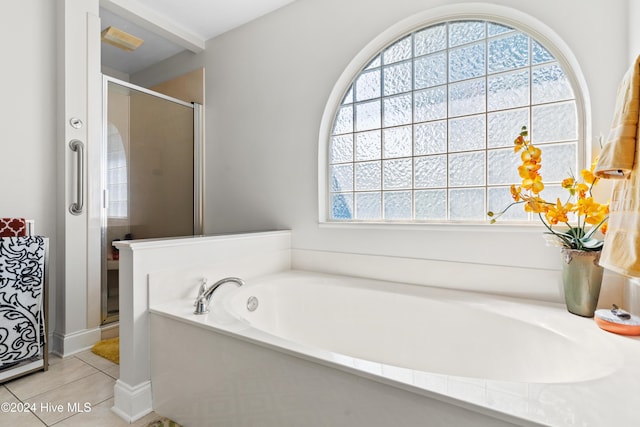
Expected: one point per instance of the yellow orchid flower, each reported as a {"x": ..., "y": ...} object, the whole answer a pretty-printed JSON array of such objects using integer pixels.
[
  {"x": 568, "y": 183},
  {"x": 518, "y": 143},
  {"x": 558, "y": 212},
  {"x": 515, "y": 193},
  {"x": 531, "y": 154},
  {"x": 582, "y": 190},
  {"x": 588, "y": 176},
  {"x": 597, "y": 214},
  {"x": 535, "y": 205},
  {"x": 528, "y": 170},
  {"x": 580, "y": 205},
  {"x": 587, "y": 206},
  {"x": 533, "y": 184}
]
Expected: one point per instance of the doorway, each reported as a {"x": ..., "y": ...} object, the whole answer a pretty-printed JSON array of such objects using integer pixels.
[{"x": 151, "y": 174}]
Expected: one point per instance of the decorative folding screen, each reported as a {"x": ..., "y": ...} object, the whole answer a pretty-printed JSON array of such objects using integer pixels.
[{"x": 22, "y": 281}]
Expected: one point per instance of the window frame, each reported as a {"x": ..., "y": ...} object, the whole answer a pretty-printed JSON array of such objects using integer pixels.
[{"x": 485, "y": 12}]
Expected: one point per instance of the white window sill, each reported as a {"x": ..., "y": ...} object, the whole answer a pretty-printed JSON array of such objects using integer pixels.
[{"x": 500, "y": 227}]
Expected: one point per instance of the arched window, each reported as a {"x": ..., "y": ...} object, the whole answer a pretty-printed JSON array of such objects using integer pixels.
[{"x": 425, "y": 130}]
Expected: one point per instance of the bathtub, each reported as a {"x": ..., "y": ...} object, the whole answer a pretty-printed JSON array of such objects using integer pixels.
[{"x": 308, "y": 349}]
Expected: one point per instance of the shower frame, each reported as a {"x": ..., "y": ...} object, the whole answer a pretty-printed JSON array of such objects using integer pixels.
[{"x": 198, "y": 179}]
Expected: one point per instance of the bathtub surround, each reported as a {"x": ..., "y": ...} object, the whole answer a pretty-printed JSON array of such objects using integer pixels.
[
  {"x": 158, "y": 272},
  {"x": 460, "y": 358},
  {"x": 280, "y": 389},
  {"x": 179, "y": 264}
]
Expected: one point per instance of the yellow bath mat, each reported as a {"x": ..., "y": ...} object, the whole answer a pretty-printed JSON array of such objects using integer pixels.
[
  {"x": 109, "y": 349},
  {"x": 163, "y": 422}
]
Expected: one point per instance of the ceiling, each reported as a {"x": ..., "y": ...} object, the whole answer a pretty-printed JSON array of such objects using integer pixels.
[{"x": 171, "y": 26}]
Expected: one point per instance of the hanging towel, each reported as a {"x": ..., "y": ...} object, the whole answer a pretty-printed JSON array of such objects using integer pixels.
[
  {"x": 22, "y": 275},
  {"x": 621, "y": 252},
  {"x": 10, "y": 227}
]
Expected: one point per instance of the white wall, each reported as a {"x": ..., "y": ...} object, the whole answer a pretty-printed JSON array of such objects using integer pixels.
[
  {"x": 267, "y": 86},
  {"x": 28, "y": 119},
  {"x": 633, "y": 30},
  {"x": 34, "y": 150}
]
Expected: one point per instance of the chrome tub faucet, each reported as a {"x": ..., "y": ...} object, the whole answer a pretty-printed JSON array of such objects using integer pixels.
[{"x": 205, "y": 293}]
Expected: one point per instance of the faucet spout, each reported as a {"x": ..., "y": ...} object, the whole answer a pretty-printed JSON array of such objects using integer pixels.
[{"x": 205, "y": 294}]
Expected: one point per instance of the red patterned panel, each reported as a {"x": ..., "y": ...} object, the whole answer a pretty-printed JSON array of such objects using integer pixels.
[{"x": 10, "y": 227}]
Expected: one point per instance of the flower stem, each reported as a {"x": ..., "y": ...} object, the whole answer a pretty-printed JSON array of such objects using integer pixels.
[{"x": 566, "y": 241}]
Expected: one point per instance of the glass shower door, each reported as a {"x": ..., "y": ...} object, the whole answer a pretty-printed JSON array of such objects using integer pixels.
[{"x": 150, "y": 181}]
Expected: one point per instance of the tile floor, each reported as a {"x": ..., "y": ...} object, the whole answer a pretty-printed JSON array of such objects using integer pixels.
[{"x": 76, "y": 391}]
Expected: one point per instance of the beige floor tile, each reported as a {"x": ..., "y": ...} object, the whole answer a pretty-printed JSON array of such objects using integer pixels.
[
  {"x": 60, "y": 373},
  {"x": 113, "y": 372},
  {"x": 54, "y": 358},
  {"x": 12, "y": 412},
  {"x": 101, "y": 415},
  {"x": 69, "y": 384},
  {"x": 78, "y": 396},
  {"x": 96, "y": 361}
]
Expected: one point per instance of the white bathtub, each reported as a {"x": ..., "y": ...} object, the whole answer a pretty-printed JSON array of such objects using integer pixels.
[{"x": 333, "y": 351}]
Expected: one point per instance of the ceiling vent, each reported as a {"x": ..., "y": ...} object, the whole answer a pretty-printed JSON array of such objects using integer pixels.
[{"x": 121, "y": 39}]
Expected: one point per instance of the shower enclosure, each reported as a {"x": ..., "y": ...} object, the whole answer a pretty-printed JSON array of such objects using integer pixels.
[{"x": 152, "y": 175}]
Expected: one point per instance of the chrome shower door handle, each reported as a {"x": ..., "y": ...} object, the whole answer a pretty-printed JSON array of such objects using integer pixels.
[{"x": 77, "y": 207}]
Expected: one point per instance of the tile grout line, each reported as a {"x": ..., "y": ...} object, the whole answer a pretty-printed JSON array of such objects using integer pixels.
[
  {"x": 101, "y": 369},
  {"x": 98, "y": 371},
  {"x": 77, "y": 413},
  {"x": 95, "y": 404},
  {"x": 21, "y": 401},
  {"x": 69, "y": 383},
  {"x": 11, "y": 393},
  {"x": 61, "y": 385}
]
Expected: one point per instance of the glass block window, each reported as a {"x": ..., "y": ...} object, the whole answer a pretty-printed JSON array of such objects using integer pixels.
[
  {"x": 117, "y": 186},
  {"x": 425, "y": 130}
]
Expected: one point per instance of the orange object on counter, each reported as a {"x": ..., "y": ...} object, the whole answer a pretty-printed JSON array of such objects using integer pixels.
[{"x": 612, "y": 322}]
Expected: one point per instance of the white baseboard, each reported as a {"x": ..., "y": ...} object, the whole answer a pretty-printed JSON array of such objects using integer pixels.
[
  {"x": 65, "y": 345},
  {"x": 132, "y": 402},
  {"x": 110, "y": 330}
]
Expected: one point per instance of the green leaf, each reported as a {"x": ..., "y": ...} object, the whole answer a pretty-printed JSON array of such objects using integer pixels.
[
  {"x": 592, "y": 243},
  {"x": 576, "y": 232},
  {"x": 594, "y": 229}
]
